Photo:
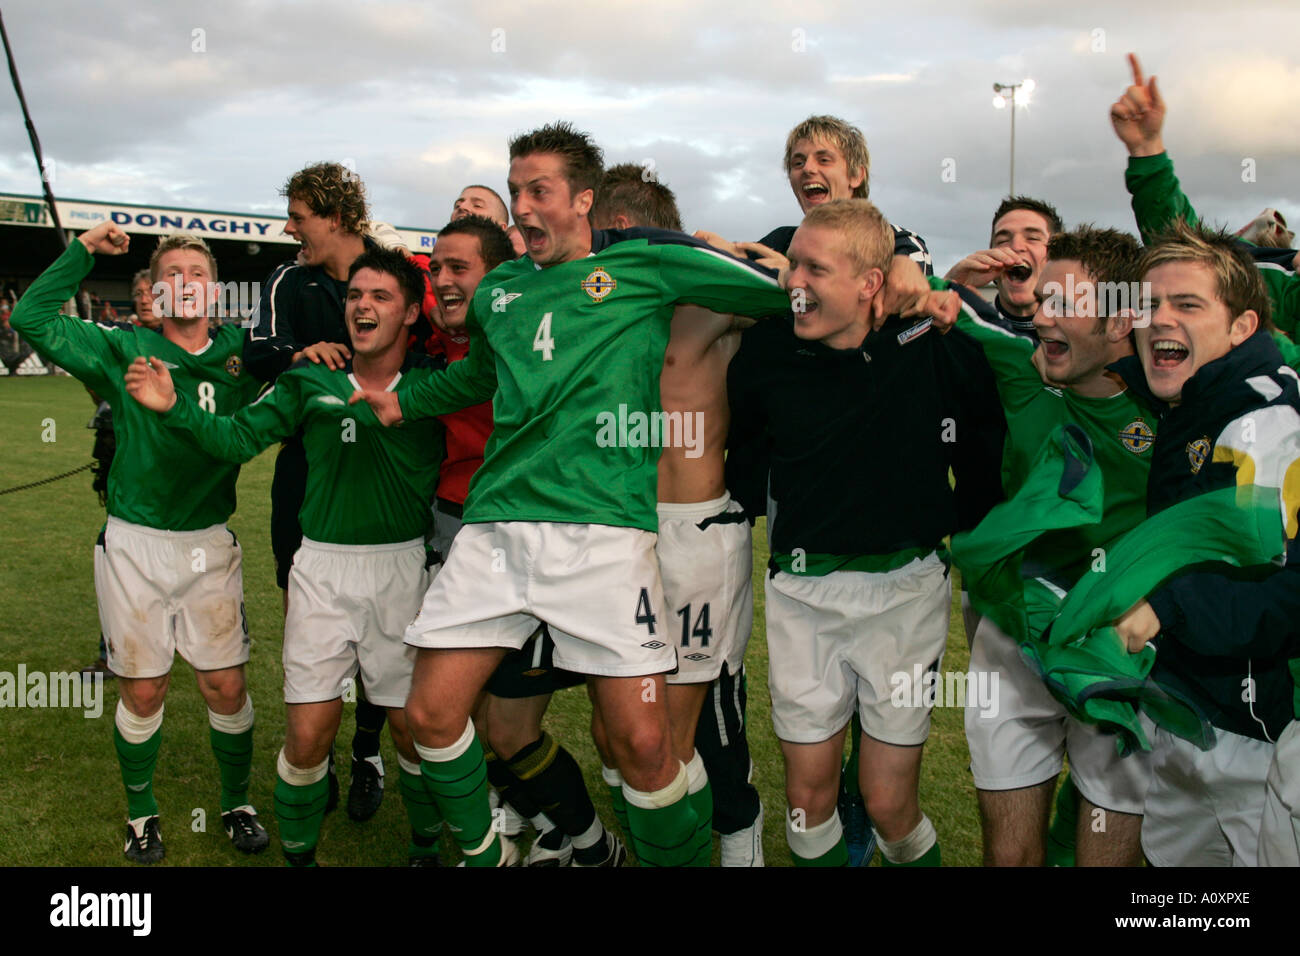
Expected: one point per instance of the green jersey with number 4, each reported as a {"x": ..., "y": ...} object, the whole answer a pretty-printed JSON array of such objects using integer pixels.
[
  {"x": 160, "y": 478},
  {"x": 570, "y": 356},
  {"x": 366, "y": 484},
  {"x": 1122, "y": 434}
]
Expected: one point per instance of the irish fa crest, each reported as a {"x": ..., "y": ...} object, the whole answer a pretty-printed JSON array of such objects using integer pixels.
[
  {"x": 234, "y": 366},
  {"x": 1197, "y": 452},
  {"x": 1137, "y": 436},
  {"x": 599, "y": 284}
]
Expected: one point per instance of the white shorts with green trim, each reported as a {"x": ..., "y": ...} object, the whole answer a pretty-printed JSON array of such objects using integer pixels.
[
  {"x": 707, "y": 562},
  {"x": 1021, "y": 739},
  {"x": 846, "y": 640},
  {"x": 597, "y": 587},
  {"x": 162, "y": 593},
  {"x": 1204, "y": 808}
]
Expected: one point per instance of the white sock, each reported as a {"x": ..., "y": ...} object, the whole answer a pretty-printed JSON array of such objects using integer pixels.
[
  {"x": 406, "y": 765},
  {"x": 812, "y": 842},
  {"x": 913, "y": 846},
  {"x": 300, "y": 776},
  {"x": 445, "y": 754},
  {"x": 697, "y": 778},
  {"x": 136, "y": 730},
  {"x": 675, "y": 791},
  {"x": 236, "y": 723}
]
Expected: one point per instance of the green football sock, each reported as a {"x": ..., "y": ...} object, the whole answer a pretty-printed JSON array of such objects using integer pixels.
[
  {"x": 664, "y": 824},
  {"x": 421, "y": 810},
  {"x": 300, "y": 808},
  {"x": 457, "y": 778},
  {"x": 701, "y": 797},
  {"x": 820, "y": 845},
  {"x": 907, "y": 851},
  {"x": 137, "y": 762},
  {"x": 234, "y": 753},
  {"x": 838, "y": 855}
]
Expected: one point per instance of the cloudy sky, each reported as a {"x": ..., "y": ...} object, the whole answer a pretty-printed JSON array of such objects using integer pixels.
[{"x": 212, "y": 104}]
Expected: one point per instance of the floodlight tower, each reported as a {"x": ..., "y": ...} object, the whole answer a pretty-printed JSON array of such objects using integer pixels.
[{"x": 1018, "y": 94}]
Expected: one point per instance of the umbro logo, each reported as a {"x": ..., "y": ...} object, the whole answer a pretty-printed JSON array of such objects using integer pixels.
[
  {"x": 653, "y": 645},
  {"x": 697, "y": 657},
  {"x": 501, "y": 298}
]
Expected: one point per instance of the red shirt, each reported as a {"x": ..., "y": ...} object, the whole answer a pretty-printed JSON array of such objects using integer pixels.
[{"x": 467, "y": 429}]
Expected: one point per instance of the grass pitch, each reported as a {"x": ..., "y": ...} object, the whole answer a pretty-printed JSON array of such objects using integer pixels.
[{"x": 61, "y": 798}]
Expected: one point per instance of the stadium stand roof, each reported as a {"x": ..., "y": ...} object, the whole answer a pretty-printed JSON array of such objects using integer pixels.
[{"x": 247, "y": 246}]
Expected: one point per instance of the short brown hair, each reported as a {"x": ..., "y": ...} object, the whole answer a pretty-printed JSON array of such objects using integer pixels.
[
  {"x": 494, "y": 245},
  {"x": 1236, "y": 277},
  {"x": 584, "y": 162},
  {"x": 845, "y": 136},
  {"x": 1044, "y": 209},
  {"x": 627, "y": 190},
  {"x": 329, "y": 188},
  {"x": 1109, "y": 255},
  {"x": 180, "y": 240},
  {"x": 868, "y": 237},
  {"x": 393, "y": 262}
]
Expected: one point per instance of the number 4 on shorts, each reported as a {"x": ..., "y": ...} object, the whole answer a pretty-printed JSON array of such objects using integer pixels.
[{"x": 644, "y": 614}]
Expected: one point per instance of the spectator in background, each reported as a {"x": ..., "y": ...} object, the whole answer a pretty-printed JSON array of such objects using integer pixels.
[{"x": 142, "y": 299}]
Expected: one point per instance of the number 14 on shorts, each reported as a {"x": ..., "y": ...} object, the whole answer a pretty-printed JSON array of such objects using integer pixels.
[{"x": 645, "y": 615}]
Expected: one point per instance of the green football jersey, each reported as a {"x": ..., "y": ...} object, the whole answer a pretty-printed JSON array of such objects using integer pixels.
[
  {"x": 366, "y": 484},
  {"x": 570, "y": 356},
  {"x": 1122, "y": 435},
  {"x": 159, "y": 479}
]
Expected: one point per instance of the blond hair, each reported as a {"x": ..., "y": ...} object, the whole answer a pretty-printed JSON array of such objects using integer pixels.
[
  {"x": 181, "y": 240},
  {"x": 868, "y": 239},
  {"x": 846, "y": 137}
]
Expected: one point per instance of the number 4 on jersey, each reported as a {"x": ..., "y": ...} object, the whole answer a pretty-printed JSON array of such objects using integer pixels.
[{"x": 542, "y": 342}]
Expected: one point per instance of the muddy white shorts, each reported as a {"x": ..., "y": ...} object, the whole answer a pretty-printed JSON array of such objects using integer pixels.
[{"x": 161, "y": 593}]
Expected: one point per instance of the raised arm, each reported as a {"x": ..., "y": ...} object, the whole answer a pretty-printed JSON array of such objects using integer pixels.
[
  {"x": 1138, "y": 118},
  {"x": 85, "y": 349}
]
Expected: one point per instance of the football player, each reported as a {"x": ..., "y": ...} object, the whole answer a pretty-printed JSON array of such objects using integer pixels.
[
  {"x": 359, "y": 575},
  {"x": 168, "y": 573},
  {"x": 560, "y": 522},
  {"x": 704, "y": 547}
]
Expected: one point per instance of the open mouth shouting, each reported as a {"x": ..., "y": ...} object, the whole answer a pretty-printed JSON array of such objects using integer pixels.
[
  {"x": 814, "y": 193},
  {"x": 1054, "y": 349},
  {"x": 1168, "y": 354},
  {"x": 451, "y": 302},
  {"x": 534, "y": 238}
]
